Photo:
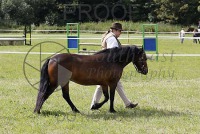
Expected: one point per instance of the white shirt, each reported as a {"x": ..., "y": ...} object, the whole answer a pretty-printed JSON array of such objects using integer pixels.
[
  {"x": 182, "y": 33},
  {"x": 112, "y": 42}
]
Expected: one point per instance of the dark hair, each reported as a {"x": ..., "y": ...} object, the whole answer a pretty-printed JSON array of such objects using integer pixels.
[{"x": 117, "y": 26}]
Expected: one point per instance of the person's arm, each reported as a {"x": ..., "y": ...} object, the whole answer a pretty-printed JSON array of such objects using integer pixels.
[{"x": 112, "y": 42}]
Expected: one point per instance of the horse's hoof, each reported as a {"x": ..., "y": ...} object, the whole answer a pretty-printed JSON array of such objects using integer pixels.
[
  {"x": 76, "y": 111},
  {"x": 36, "y": 112},
  {"x": 94, "y": 107},
  {"x": 112, "y": 111},
  {"x": 131, "y": 105}
]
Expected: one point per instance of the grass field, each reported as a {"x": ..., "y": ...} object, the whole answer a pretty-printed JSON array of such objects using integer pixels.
[{"x": 168, "y": 96}]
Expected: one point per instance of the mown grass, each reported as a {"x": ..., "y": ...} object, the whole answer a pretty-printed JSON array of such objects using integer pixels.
[{"x": 168, "y": 96}]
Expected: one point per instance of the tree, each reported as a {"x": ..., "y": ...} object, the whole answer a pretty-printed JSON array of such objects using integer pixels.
[
  {"x": 18, "y": 10},
  {"x": 173, "y": 11},
  {"x": 58, "y": 12},
  {"x": 43, "y": 10},
  {"x": 1, "y": 12},
  {"x": 141, "y": 10}
]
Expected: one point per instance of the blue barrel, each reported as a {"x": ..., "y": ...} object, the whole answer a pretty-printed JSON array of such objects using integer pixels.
[
  {"x": 150, "y": 44},
  {"x": 72, "y": 42}
]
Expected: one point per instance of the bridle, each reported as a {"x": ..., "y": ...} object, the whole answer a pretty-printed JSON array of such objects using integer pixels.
[{"x": 143, "y": 66}]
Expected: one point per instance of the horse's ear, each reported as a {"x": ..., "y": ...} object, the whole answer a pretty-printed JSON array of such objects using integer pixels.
[{"x": 141, "y": 49}]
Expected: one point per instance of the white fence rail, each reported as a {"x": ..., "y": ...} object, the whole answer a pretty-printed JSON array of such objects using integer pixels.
[{"x": 36, "y": 35}]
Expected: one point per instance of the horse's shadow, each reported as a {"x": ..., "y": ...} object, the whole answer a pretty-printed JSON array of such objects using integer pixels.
[
  {"x": 52, "y": 113},
  {"x": 133, "y": 114},
  {"x": 120, "y": 114}
]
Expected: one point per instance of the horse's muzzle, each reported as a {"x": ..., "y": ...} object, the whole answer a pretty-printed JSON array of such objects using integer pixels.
[{"x": 144, "y": 71}]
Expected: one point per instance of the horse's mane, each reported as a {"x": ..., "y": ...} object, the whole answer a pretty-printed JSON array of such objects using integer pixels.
[
  {"x": 119, "y": 53},
  {"x": 102, "y": 51}
]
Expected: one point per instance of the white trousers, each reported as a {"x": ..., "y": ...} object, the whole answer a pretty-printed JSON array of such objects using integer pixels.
[{"x": 98, "y": 93}]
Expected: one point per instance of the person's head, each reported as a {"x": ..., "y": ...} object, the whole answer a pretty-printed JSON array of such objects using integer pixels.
[{"x": 116, "y": 29}]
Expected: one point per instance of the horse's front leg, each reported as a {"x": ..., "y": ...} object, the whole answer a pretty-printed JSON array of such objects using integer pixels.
[
  {"x": 112, "y": 96},
  {"x": 105, "y": 92}
]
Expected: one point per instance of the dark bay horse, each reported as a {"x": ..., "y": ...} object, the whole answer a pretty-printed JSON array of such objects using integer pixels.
[
  {"x": 196, "y": 33},
  {"x": 103, "y": 68}
]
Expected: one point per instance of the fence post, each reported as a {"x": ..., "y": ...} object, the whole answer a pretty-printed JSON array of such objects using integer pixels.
[{"x": 27, "y": 34}]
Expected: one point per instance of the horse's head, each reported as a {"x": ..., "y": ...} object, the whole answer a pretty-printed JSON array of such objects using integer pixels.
[{"x": 140, "y": 61}]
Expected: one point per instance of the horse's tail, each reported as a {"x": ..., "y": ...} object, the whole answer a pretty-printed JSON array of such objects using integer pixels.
[
  {"x": 44, "y": 77},
  {"x": 44, "y": 84}
]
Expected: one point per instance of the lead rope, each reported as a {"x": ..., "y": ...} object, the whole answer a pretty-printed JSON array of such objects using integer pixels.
[{"x": 119, "y": 44}]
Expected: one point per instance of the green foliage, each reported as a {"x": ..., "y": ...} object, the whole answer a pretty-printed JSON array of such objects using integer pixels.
[
  {"x": 177, "y": 12},
  {"x": 18, "y": 10},
  {"x": 58, "y": 12}
]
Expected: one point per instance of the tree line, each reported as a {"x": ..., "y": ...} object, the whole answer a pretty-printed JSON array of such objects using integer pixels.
[{"x": 59, "y": 12}]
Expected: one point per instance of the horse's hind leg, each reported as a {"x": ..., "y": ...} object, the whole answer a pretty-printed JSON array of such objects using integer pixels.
[
  {"x": 112, "y": 96},
  {"x": 65, "y": 91},
  {"x": 42, "y": 97},
  {"x": 105, "y": 92}
]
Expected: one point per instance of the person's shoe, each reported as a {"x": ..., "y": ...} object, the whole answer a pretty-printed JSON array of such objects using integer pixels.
[{"x": 131, "y": 105}]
